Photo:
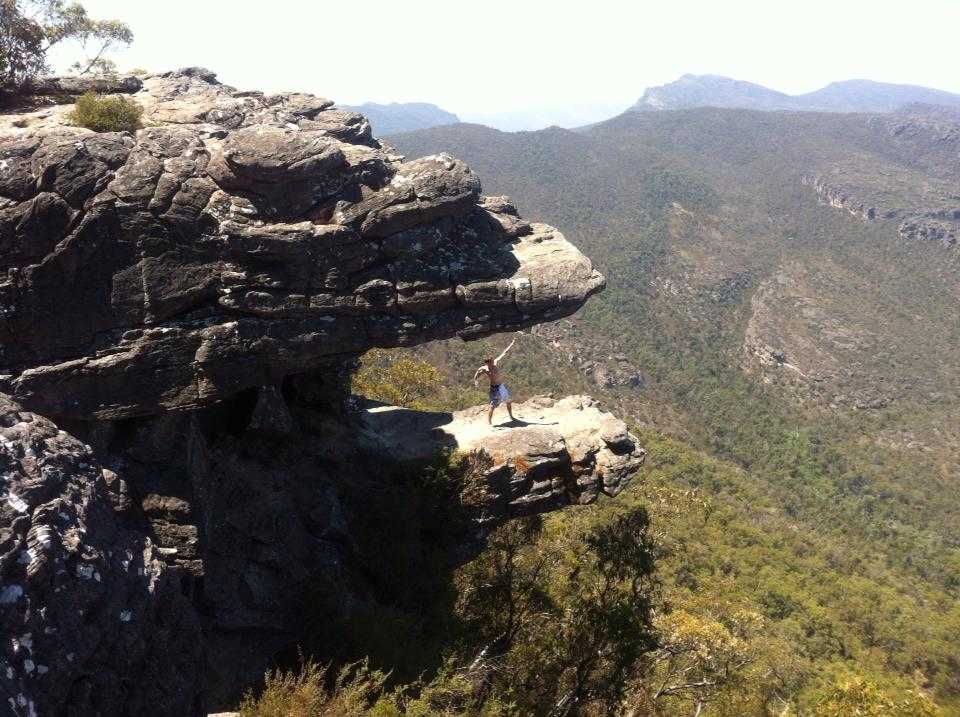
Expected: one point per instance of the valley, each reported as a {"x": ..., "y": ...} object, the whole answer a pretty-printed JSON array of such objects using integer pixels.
[{"x": 813, "y": 350}]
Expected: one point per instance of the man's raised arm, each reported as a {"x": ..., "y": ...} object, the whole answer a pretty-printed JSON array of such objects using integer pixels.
[{"x": 499, "y": 358}]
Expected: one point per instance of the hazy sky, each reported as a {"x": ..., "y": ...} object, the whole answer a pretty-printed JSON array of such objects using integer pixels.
[{"x": 494, "y": 56}]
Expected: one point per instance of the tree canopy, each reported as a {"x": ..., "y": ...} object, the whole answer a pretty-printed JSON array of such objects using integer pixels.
[{"x": 30, "y": 28}]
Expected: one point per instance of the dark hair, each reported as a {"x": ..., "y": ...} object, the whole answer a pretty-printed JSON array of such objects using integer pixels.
[{"x": 487, "y": 360}]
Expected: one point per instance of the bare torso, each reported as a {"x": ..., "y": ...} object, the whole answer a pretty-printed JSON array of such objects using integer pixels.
[{"x": 491, "y": 367}]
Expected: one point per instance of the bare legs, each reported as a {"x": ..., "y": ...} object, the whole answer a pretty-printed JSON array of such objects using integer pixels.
[{"x": 493, "y": 408}]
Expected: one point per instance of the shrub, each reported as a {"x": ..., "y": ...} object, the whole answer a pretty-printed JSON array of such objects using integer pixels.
[
  {"x": 397, "y": 379},
  {"x": 107, "y": 114},
  {"x": 314, "y": 692},
  {"x": 857, "y": 695}
]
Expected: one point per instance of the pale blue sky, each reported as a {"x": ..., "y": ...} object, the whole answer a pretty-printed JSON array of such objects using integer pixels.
[{"x": 497, "y": 56}]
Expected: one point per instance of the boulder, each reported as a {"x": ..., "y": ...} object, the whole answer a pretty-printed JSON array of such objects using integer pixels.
[{"x": 78, "y": 85}]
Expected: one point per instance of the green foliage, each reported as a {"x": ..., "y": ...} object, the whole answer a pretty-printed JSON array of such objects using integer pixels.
[
  {"x": 29, "y": 28},
  {"x": 845, "y": 520},
  {"x": 552, "y": 618},
  {"x": 107, "y": 114},
  {"x": 559, "y": 615},
  {"x": 758, "y": 615},
  {"x": 397, "y": 379},
  {"x": 22, "y": 45},
  {"x": 311, "y": 692},
  {"x": 859, "y": 696},
  {"x": 562, "y": 614}
]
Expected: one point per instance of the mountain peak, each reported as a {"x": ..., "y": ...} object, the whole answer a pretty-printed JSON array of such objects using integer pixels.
[
  {"x": 855, "y": 95},
  {"x": 396, "y": 117}
]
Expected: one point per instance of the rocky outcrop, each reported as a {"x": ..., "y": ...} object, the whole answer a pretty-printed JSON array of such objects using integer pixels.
[
  {"x": 239, "y": 238},
  {"x": 78, "y": 85},
  {"x": 180, "y": 309},
  {"x": 93, "y": 619},
  {"x": 941, "y": 226},
  {"x": 602, "y": 364},
  {"x": 555, "y": 452},
  {"x": 841, "y": 198},
  {"x": 916, "y": 224},
  {"x": 943, "y": 231}
]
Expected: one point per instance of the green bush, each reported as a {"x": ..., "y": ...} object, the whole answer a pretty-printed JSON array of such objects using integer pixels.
[
  {"x": 312, "y": 692},
  {"x": 395, "y": 378},
  {"x": 107, "y": 114}
]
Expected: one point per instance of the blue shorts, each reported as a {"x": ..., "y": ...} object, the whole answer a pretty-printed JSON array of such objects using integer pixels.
[{"x": 499, "y": 394}]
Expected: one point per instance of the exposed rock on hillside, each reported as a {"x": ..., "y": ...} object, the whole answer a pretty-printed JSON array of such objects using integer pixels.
[
  {"x": 840, "y": 198},
  {"x": 186, "y": 303},
  {"x": 923, "y": 201},
  {"x": 927, "y": 229},
  {"x": 239, "y": 238},
  {"x": 915, "y": 222},
  {"x": 555, "y": 453},
  {"x": 602, "y": 364},
  {"x": 86, "y": 604}
]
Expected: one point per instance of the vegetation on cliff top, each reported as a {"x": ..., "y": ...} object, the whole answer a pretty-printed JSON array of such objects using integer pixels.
[
  {"x": 106, "y": 114},
  {"x": 30, "y": 28}
]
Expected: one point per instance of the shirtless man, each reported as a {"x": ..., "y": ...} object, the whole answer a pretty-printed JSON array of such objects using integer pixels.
[{"x": 498, "y": 389}]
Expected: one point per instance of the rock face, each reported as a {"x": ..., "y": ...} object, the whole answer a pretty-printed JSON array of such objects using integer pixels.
[
  {"x": 556, "y": 452},
  {"x": 240, "y": 238},
  {"x": 92, "y": 618},
  {"x": 180, "y": 308}
]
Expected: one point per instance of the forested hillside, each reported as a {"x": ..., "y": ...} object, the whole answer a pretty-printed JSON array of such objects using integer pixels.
[{"x": 799, "y": 336}]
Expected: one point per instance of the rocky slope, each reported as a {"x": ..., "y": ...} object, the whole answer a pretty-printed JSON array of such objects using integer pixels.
[{"x": 180, "y": 309}]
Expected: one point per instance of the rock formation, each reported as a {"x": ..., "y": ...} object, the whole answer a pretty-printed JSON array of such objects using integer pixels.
[
  {"x": 240, "y": 238},
  {"x": 86, "y": 604},
  {"x": 555, "y": 453},
  {"x": 179, "y": 310}
]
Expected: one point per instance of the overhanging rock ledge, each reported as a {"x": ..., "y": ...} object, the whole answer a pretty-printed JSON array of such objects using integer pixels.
[{"x": 238, "y": 238}]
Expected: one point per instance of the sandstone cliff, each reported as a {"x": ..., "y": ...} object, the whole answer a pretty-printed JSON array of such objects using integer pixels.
[{"x": 179, "y": 310}]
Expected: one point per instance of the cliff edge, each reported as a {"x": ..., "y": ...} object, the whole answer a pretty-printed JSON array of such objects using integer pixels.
[{"x": 185, "y": 483}]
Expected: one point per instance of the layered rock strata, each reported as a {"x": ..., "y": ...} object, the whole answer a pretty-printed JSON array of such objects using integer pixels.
[
  {"x": 241, "y": 237},
  {"x": 179, "y": 310}
]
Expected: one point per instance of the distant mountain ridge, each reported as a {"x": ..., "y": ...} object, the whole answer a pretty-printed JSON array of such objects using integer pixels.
[
  {"x": 847, "y": 96},
  {"x": 403, "y": 116}
]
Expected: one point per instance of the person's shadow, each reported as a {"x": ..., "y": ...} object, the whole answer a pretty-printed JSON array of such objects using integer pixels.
[{"x": 520, "y": 423}]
